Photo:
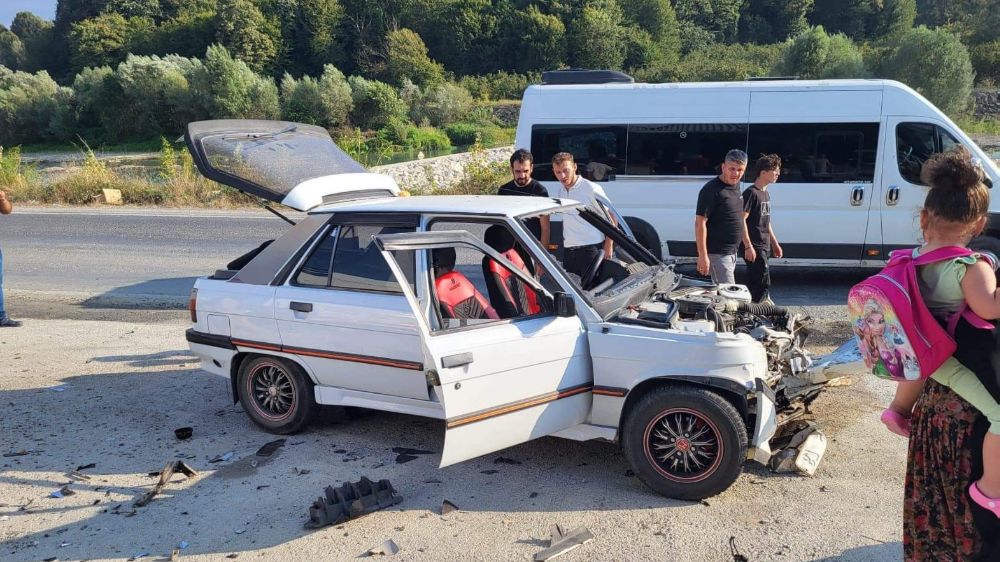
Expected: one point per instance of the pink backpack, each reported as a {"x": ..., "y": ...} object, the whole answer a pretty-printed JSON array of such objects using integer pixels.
[{"x": 898, "y": 336}]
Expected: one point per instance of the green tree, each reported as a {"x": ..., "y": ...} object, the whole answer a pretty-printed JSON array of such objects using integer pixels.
[
  {"x": 375, "y": 103},
  {"x": 135, "y": 8},
  {"x": 189, "y": 34},
  {"x": 156, "y": 95},
  {"x": 935, "y": 63},
  {"x": 986, "y": 61},
  {"x": 813, "y": 54},
  {"x": 539, "y": 41},
  {"x": 96, "y": 102},
  {"x": 365, "y": 26},
  {"x": 719, "y": 62},
  {"x": 976, "y": 21},
  {"x": 336, "y": 95},
  {"x": 850, "y": 17},
  {"x": 658, "y": 18},
  {"x": 11, "y": 49},
  {"x": 719, "y": 16},
  {"x": 231, "y": 90},
  {"x": 407, "y": 60},
  {"x": 302, "y": 101},
  {"x": 694, "y": 37},
  {"x": 437, "y": 104},
  {"x": 38, "y": 39},
  {"x": 243, "y": 30},
  {"x": 773, "y": 21},
  {"x": 108, "y": 39},
  {"x": 33, "y": 108},
  {"x": 895, "y": 18},
  {"x": 605, "y": 46},
  {"x": 320, "y": 29}
]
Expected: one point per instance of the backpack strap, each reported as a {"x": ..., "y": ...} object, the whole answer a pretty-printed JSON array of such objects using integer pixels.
[
  {"x": 942, "y": 254},
  {"x": 971, "y": 317}
]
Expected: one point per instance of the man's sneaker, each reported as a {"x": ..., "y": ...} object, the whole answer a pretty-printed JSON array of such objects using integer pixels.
[{"x": 8, "y": 322}]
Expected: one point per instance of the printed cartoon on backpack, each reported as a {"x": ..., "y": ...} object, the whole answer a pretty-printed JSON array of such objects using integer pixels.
[{"x": 882, "y": 340}]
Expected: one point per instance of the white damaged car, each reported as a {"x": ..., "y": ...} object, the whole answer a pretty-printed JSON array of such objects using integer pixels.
[{"x": 447, "y": 307}]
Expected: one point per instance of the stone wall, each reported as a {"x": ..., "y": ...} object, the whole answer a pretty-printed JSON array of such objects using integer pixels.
[
  {"x": 987, "y": 103},
  {"x": 445, "y": 170}
]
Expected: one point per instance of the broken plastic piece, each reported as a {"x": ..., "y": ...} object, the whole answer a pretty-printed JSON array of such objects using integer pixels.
[
  {"x": 165, "y": 475},
  {"x": 351, "y": 500},
  {"x": 269, "y": 448},
  {"x": 388, "y": 548},
  {"x": 183, "y": 433},
  {"x": 562, "y": 542},
  {"x": 811, "y": 453},
  {"x": 447, "y": 507},
  {"x": 224, "y": 457}
]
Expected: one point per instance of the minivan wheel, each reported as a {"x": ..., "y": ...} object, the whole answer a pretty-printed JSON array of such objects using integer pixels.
[
  {"x": 685, "y": 442},
  {"x": 276, "y": 394}
]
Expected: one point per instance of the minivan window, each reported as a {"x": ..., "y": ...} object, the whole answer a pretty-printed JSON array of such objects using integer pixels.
[
  {"x": 915, "y": 143},
  {"x": 681, "y": 149},
  {"x": 817, "y": 152},
  {"x": 599, "y": 150}
]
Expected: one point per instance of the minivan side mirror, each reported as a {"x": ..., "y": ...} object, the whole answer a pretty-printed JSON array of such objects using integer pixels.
[{"x": 565, "y": 305}]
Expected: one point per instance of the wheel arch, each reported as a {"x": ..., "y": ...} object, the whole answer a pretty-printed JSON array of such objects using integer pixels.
[
  {"x": 243, "y": 356},
  {"x": 729, "y": 390},
  {"x": 646, "y": 235}
]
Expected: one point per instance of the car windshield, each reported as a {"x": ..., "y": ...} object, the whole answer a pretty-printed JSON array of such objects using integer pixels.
[{"x": 629, "y": 276}]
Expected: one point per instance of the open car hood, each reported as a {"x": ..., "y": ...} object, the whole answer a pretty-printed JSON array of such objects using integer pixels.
[{"x": 289, "y": 163}]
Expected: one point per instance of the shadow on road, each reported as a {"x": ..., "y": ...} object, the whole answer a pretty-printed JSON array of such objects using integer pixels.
[{"x": 153, "y": 294}]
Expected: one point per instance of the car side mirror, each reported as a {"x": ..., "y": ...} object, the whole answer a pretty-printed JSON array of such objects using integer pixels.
[{"x": 565, "y": 305}]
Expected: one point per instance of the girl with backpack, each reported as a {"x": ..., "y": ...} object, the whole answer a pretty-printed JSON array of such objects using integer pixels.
[{"x": 946, "y": 279}]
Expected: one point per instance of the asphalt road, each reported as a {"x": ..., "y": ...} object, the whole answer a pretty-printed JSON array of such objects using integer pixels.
[{"x": 149, "y": 258}]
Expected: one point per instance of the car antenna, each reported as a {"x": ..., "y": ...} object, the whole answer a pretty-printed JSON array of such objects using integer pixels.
[{"x": 276, "y": 212}]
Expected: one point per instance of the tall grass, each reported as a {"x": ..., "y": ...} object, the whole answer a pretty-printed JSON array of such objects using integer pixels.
[{"x": 974, "y": 126}]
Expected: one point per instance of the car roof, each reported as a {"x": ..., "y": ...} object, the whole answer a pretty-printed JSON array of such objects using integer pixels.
[{"x": 511, "y": 206}]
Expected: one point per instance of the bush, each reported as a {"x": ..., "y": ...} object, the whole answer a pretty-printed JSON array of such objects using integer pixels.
[
  {"x": 985, "y": 60},
  {"x": 33, "y": 108},
  {"x": 466, "y": 134},
  {"x": 335, "y": 93},
  {"x": 499, "y": 85},
  {"x": 411, "y": 137},
  {"x": 719, "y": 62},
  {"x": 813, "y": 55},
  {"x": 375, "y": 103},
  {"x": 438, "y": 104},
  {"x": 407, "y": 60},
  {"x": 302, "y": 101},
  {"x": 481, "y": 177},
  {"x": 935, "y": 63},
  {"x": 602, "y": 43},
  {"x": 229, "y": 89},
  {"x": 155, "y": 96}
]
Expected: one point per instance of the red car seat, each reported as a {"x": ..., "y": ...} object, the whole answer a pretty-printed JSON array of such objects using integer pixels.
[
  {"x": 457, "y": 296},
  {"x": 506, "y": 289}
]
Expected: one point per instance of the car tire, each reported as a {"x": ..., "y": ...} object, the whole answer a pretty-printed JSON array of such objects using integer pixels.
[
  {"x": 276, "y": 394},
  {"x": 686, "y": 443}
]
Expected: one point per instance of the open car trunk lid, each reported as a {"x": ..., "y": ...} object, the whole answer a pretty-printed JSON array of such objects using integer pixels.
[{"x": 293, "y": 164}]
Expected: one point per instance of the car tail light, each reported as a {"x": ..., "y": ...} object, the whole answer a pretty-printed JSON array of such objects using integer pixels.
[{"x": 193, "y": 305}]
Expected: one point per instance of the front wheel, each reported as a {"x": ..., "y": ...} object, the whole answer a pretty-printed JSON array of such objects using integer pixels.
[
  {"x": 276, "y": 394},
  {"x": 684, "y": 442}
]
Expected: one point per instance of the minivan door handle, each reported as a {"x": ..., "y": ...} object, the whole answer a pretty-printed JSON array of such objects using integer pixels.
[
  {"x": 892, "y": 195},
  {"x": 857, "y": 196},
  {"x": 301, "y": 306}
]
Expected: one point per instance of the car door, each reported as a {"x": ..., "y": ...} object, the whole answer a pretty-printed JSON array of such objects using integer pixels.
[
  {"x": 909, "y": 142},
  {"x": 345, "y": 316},
  {"x": 501, "y": 382},
  {"x": 293, "y": 164}
]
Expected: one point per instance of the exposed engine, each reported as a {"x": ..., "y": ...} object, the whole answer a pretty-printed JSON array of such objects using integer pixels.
[{"x": 696, "y": 306}]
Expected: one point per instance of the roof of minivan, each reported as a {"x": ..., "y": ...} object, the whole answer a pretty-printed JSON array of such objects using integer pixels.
[
  {"x": 458, "y": 204},
  {"x": 854, "y": 84}
]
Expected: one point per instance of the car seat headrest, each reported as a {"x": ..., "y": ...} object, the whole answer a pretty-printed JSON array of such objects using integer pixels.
[
  {"x": 443, "y": 258},
  {"x": 499, "y": 238}
]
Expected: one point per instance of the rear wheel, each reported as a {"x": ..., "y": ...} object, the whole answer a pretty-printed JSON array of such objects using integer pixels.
[
  {"x": 684, "y": 442},
  {"x": 276, "y": 394}
]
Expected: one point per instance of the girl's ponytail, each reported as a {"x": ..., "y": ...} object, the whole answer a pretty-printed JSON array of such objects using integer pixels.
[{"x": 957, "y": 192}]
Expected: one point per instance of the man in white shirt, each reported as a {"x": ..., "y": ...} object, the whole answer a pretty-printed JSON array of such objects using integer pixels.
[{"x": 582, "y": 242}]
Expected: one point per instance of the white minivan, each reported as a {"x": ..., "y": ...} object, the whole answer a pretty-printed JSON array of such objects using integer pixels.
[{"x": 852, "y": 150}]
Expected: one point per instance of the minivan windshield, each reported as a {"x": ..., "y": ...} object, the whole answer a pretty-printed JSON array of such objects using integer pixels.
[{"x": 629, "y": 276}]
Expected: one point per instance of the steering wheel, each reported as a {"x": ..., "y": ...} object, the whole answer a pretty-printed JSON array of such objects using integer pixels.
[{"x": 591, "y": 273}]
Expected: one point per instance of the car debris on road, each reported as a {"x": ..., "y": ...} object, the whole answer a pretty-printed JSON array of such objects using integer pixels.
[
  {"x": 562, "y": 542},
  {"x": 351, "y": 500}
]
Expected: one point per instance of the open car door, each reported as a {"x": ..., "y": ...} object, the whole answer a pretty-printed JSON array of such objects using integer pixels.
[
  {"x": 293, "y": 164},
  {"x": 501, "y": 382}
]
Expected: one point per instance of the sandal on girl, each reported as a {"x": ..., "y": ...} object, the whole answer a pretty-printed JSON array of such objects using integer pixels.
[
  {"x": 896, "y": 422},
  {"x": 992, "y": 504}
]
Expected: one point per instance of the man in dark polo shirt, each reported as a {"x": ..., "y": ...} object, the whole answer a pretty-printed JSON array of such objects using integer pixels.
[
  {"x": 521, "y": 166},
  {"x": 719, "y": 224}
]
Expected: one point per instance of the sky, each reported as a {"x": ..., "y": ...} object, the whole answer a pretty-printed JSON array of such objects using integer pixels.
[{"x": 44, "y": 8}]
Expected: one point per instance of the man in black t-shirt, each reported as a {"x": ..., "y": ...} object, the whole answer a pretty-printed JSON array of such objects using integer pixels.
[
  {"x": 757, "y": 213},
  {"x": 719, "y": 223},
  {"x": 521, "y": 166}
]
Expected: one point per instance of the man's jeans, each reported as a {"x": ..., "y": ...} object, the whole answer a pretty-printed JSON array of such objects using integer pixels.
[
  {"x": 723, "y": 268},
  {"x": 3, "y": 313}
]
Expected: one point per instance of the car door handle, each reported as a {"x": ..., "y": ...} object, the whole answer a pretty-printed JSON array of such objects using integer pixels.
[
  {"x": 892, "y": 195},
  {"x": 301, "y": 306},
  {"x": 857, "y": 196},
  {"x": 456, "y": 360}
]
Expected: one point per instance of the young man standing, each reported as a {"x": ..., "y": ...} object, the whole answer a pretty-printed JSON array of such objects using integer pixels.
[
  {"x": 719, "y": 224},
  {"x": 757, "y": 213},
  {"x": 582, "y": 242},
  {"x": 5, "y": 321},
  {"x": 521, "y": 167}
]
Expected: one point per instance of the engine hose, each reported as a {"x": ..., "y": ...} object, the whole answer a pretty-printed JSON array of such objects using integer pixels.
[
  {"x": 720, "y": 322},
  {"x": 762, "y": 309}
]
